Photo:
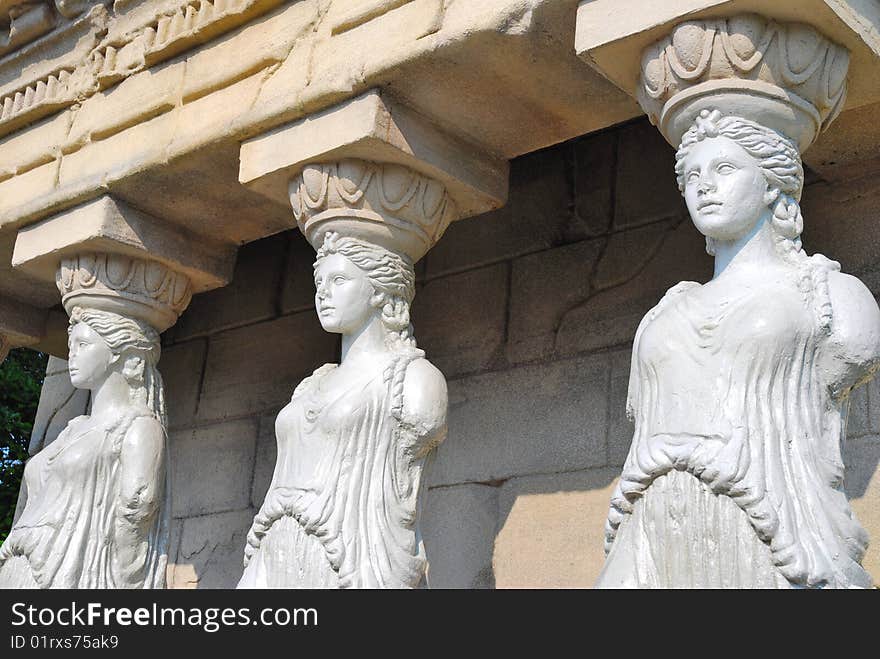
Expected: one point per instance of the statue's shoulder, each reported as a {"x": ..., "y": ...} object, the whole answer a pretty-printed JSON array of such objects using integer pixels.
[
  {"x": 855, "y": 318},
  {"x": 311, "y": 380},
  {"x": 671, "y": 294},
  {"x": 422, "y": 374},
  {"x": 680, "y": 288},
  {"x": 425, "y": 394},
  {"x": 144, "y": 431}
]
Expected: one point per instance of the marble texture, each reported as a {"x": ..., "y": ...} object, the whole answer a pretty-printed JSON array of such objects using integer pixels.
[
  {"x": 342, "y": 509},
  {"x": 96, "y": 511},
  {"x": 739, "y": 388}
]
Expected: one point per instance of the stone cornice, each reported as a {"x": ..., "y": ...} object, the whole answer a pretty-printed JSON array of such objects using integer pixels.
[{"x": 93, "y": 62}]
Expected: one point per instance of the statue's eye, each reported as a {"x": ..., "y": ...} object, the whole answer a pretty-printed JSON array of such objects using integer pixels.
[
  {"x": 726, "y": 168},
  {"x": 693, "y": 176},
  {"x": 339, "y": 280}
]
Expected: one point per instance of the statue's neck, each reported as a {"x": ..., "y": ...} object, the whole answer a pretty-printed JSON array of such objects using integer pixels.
[
  {"x": 367, "y": 343},
  {"x": 755, "y": 249},
  {"x": 111, "y": 396}
]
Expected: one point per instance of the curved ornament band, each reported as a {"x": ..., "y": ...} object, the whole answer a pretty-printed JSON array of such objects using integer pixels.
[{"x": 786, "y": 76}]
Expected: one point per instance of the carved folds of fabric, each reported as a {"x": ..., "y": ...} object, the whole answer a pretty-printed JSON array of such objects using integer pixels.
[
  {"x": 360, "y": 508},
  {"x": 65, "y": 537},
  {"x": 779, "y": 457}
]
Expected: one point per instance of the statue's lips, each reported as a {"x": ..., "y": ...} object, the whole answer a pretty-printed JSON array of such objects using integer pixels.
[
  {"x": 326, "y": 310},
  {"x": 708, "y": 206}
]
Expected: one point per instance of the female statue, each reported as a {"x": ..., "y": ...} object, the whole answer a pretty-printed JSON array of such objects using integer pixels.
[
  {"x": 739, "y": 390},
  {"x": 96, "y": 514},
  {"x": 341, "y": 510}
]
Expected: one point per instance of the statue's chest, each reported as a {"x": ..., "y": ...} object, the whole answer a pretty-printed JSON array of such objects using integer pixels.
[
  {"x": 76, "y": 452},
  {"x": 709, "y": 330},
  {"x": 324, "y": 413}
]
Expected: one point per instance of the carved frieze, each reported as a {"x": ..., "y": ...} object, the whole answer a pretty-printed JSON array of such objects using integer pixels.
[{"x": 120, "y": 47}]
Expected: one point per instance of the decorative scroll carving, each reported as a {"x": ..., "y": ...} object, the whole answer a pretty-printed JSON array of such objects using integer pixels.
[
  {"x": 390, "y": 205},
  {"x": 147, "y": 290},
  {"x": 795, "y": 73}
]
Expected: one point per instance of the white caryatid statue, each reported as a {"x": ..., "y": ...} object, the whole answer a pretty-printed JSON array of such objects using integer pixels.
[
  {"x": 739, "y": 387},
  {"x": 97, "y": 508},
  {"x": 342, "y": 509}
]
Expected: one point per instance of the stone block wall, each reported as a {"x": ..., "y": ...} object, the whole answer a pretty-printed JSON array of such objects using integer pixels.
[{"x": 530, "y": 312}]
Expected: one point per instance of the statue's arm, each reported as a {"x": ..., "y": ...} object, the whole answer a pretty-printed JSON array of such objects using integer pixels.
[
  {"x": 853, "y": 354},
  {"x": 425, "y": 404},
  {"x": 141, "y": 483}
]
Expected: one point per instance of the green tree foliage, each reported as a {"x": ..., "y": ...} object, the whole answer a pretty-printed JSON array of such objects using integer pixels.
[{"x": 21, "y": 377}]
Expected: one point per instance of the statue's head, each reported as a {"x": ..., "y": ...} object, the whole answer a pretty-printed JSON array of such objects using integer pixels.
[
  {"x": 356, "y": 281},
  {"x": 102, "y": 343},
  {"x": 734, "y": 173}
]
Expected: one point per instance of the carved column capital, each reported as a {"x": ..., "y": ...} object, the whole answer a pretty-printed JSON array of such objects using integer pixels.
[
  {"x": 786, "y": 76},
  {"x": 132, "y": 287},
  {"x": 373, "y": 169},
  {"x": 386, "y": 204}
]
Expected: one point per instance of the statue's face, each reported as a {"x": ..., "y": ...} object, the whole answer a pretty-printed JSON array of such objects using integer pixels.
[
  {"x": 725, "y": 190},
  {"x": 89, "y": 357},
  {"x": 342, "y": 295}
]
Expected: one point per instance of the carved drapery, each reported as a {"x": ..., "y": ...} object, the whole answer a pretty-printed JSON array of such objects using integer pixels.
[{"x": 758, "y": 440}]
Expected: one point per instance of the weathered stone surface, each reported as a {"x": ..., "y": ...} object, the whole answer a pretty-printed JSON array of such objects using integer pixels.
[
  {"x": 17, "y": 191},
  {"x": 551, "y": 529},
  {"x": 543, "y": 287},
  {"x": 211, "y": 468},
  {"x": 210, "y": 550},
  {"x": 373, "y": 128},
  {"x": 862, "y": 484},
  {"x": 298, "y": 285},
  {"x": 858, "y": 422},
  {"x": 236, "y": 381},
  {"x": 620, "y": 428},
  {"x": 645, "y": 188},
  {"x": 611, "y": 316},
  {"x": 33, "y": 146},
  {"x": 534, "y": 218},
  {"x": 264, "y": 464},
  {"x": 250, "y": 297},
  {"x": 458, "y": 526},
  {"x": 840, "y": 221},
  {"x": 454, "y": 346},
  {"x": 593, "y": 172},
  {"x": 527, "y": 420},
  {"x": 136, "y": 99},
  {"x": 182, "y": 367},
  {"x": 174, "y": 531},
  {"x": 874, "y": 405}
]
